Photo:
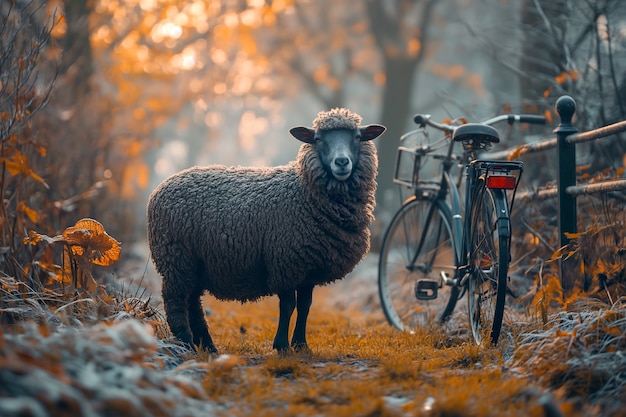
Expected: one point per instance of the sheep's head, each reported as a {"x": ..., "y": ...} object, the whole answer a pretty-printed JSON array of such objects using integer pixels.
[{"x": 336, "y": 136}]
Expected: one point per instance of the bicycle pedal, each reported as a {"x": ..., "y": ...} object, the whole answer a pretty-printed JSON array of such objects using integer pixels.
[
  {"x": 426, "y": 289},
  {"x": 446, "y": 280}
]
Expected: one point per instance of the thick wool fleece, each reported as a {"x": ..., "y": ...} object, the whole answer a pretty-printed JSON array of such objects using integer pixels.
[
  {"x": 244, "y": 233},
  {"x": 337, "y": 118}
]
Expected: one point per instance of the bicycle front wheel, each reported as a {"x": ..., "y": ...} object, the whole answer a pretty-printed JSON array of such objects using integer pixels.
[
  {"x": 418, "y": 247},
  {"x": 489, "y": 262}
]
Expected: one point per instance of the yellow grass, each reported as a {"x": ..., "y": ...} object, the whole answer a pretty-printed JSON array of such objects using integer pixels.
[{"x": 359, "y": 366}]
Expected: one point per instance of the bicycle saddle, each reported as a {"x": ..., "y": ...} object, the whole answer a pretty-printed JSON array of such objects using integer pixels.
[{"x": 475, "y": 131}]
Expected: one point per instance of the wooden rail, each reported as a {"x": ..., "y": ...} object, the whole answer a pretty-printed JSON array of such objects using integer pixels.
[{"x": 567, "y": 136}]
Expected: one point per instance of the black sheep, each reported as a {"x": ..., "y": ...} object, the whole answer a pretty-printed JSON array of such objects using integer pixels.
[{"x": 245, "y": 233}]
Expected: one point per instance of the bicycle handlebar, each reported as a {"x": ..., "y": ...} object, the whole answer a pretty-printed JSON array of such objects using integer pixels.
[
  {"x": 520, "y": 118},
  {"x": 425, "y": 119}
]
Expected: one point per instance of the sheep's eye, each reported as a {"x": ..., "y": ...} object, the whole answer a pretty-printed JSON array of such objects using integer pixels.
[{"x": 357, "y": 138}]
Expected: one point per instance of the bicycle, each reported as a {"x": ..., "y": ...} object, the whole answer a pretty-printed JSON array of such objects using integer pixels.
[{"x": 436, "y": 250}]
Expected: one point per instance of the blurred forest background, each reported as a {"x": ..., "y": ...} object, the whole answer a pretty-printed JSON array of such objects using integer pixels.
[{"x": 101, "y": 99}]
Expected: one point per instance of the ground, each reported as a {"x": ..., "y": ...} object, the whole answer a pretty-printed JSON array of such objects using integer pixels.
[{"x": 127, "y": 363}]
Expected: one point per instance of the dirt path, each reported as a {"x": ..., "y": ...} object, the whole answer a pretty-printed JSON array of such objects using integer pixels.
[{"x": 358, "y": 364}]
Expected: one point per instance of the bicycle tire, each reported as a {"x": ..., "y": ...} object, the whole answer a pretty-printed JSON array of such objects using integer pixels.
[
  {"x": 489, "y": 262},
  {"x": 397, "y": 281}
]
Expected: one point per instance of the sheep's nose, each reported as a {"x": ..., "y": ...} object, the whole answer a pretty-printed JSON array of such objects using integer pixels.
[{"x": 342, "y": 162}]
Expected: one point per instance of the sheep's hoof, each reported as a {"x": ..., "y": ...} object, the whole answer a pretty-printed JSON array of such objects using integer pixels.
[
  {"x": 300, "y": 347},
  {"x": 281, "y": 347},
  {"x": 211, "y": 349}
]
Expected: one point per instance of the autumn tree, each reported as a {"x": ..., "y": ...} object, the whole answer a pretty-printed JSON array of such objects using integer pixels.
[
  {"x": 335, "y": 53},
  {"x": 340, "y": 56}
]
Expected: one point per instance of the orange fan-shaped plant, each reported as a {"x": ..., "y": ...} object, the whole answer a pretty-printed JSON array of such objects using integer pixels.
[{"x": 85, "y": 244}]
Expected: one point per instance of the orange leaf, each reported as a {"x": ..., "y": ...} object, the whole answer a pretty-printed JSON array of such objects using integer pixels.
[
  {"x": 89, "y": 239},
  {"x": 561, "y": 78},
  {"x": 413, "y": 47},
  {"x": 547, "y": 92},
  {"x": 29, "y": 212},
  {"x": 548, "y": 115},
  {"x": 34, "y": 238},
  {"x": 18, "y": 165}
]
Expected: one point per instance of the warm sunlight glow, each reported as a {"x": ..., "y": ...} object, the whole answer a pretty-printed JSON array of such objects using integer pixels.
[
  {"x": 60, "y": 28},
  {"x": 251, "y": 17},
  {"x": 220, "y": 88},
  {"x": 198, "y": 16},
  {"x": 148, "y": 5},
  {"x": 166, "y": 30},
  {"x": 172, "y": 157},
  {"x": 249, "y": 128},
  {"x": 213, "y": 119},
  {"x": 231, "y": 20},
  {"x": 195, "y": 86},
  {"x": 218, "y": 56},
  {"x": 143, "y": 53},
  {"x": 130, "y": 41},
  {"x": 186, "y": 60},
  {"x": 280, "y": 5},
  {"x": 104, "y": 34}
]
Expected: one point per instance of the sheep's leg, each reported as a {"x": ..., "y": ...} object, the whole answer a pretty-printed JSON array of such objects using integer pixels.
[
  {"x": 199, "y": 329},
  {"x": 177, "y": 313},
  {"x": 287, "y": 303},
  {"x": 303, "y": 303}
]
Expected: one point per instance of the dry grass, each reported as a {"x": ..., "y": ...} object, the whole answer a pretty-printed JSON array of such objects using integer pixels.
[
  {"x": 580, "y": 350},
  {"x": 561, "y": 354},
  {"x": 358, "y": 365}
]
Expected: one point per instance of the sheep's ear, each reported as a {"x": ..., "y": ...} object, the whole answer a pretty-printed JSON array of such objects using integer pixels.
[
  {"x": 372, "y": 131},
  {"x": 304, "y": 134}
]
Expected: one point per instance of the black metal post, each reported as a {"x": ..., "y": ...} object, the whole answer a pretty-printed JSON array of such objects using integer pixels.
[{"x": 566, "y": 164}]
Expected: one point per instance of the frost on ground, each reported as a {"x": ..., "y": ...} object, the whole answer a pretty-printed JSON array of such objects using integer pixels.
[
  {"x": 91, "y": 361},
  {"x": 582, "y": 350},
  {"x": 115, "y": 369}
]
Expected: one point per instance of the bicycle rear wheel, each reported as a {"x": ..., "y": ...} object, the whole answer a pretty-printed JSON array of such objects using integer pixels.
[
  {"x": 417, "y": 246},
  {"x": 489, "y": 262}
]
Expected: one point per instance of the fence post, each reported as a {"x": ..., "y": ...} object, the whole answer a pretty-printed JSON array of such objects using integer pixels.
[{"x": 566, "y": 176}]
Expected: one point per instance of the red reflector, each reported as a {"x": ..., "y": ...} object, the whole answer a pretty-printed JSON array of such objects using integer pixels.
[{"x": 506, "y": 182}]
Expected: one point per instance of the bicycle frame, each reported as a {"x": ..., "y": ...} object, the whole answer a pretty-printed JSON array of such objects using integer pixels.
[
  {"x": 441, "y": 237},
  {"x": 474, "y": 168},
  {"x": 497, "y": 178}
]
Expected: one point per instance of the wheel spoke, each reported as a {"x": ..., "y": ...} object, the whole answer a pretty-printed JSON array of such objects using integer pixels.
[
  {"x": 415, "y": 249},
  {"x": 489, "y": 259}
]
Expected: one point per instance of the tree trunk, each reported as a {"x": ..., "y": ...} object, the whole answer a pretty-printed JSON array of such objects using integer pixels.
[
  {"x": 400, "y": 73},
  {"x": 393, "y": 35},
  {"x": 77, "y": 56}
]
